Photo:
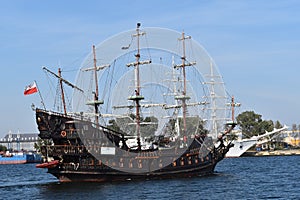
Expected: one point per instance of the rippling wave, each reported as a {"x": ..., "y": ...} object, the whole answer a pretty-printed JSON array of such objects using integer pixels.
[{"x": 235, "y": 178}]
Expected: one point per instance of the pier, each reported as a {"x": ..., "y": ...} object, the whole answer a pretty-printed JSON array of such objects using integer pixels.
[{"x": 287, "y": 152}]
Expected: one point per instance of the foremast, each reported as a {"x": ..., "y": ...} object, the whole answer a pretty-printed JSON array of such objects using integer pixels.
[{"x": 61, "y": 80}]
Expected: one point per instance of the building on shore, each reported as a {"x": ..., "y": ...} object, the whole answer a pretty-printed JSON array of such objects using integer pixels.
[
  {"x": 19, "y": 141},
  {"x": 292, "y": 138},
  {"x": 285, "y": 140}
]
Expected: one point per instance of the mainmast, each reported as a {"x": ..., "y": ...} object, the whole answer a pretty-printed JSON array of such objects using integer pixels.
[
  {"x": 184, "y": 96},
  {"x": 137, "y": 97},
  {"x": 96, "y": 94},
  {"x": 96, "y": 102}
]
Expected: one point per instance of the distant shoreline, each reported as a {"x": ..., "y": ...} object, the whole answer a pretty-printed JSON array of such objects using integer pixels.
[{"x": 285, "y": 152}]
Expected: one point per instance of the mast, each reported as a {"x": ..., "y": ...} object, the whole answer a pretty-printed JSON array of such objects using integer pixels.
[
  {"x": 96, "y": 94},
  {"x": 213, "y": 96},
  {"x": 184, "y": 82},
  {"x": 95, "y": 102},
  {"x": 61, "y": 80},
  {"x": 177, "y": 128},
  {"x": 184, "y": 96},
  {"x": 231, "y": 124},
  {"x": 233, "y": 104},
  {"x": 137, "y": 97},
  {"x": 62, "y": 91},
  {"x": 232, "y": 108}
]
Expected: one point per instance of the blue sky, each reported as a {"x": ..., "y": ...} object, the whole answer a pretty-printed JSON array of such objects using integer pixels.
[{"x": 256, "y": 45}]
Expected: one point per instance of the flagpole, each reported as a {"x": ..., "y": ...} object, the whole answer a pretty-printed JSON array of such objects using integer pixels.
[{"x": 40, "y": 95}]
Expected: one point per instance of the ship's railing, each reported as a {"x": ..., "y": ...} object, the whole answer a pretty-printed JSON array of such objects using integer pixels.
[
  {"x": 57, "y": 150},
  {"x": 54, "y": 112}
]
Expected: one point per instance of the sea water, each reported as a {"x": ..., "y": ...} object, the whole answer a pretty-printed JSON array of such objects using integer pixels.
[{"x": 275, "y": 177}]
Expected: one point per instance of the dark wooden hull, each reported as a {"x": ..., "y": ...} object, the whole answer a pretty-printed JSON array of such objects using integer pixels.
[
  {"x": 78, "y": 164},
  {"x": 102, "y": 176}
]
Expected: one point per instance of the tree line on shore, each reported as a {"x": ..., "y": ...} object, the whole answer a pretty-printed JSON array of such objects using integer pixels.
[{"x": 252, "y": 124}]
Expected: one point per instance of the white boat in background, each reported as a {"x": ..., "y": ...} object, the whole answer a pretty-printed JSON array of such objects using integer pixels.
[{"x": 242, "y": 145}]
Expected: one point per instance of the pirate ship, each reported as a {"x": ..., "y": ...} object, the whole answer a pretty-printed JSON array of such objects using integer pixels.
[{"x": 147, "y": 104}]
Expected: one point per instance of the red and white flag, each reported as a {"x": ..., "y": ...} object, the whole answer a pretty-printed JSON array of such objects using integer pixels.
[{"x": 30, "y": 89}]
